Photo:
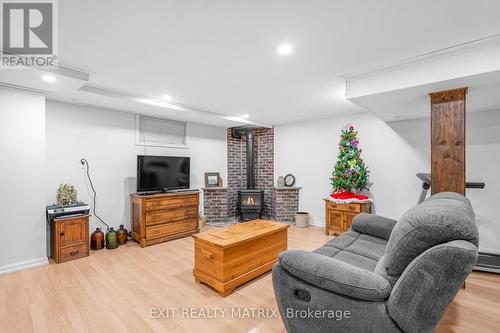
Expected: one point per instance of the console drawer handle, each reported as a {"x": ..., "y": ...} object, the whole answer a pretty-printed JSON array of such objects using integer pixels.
[
  {"x": 74, "y": 253},
  {"x": 352, "y": 208}
]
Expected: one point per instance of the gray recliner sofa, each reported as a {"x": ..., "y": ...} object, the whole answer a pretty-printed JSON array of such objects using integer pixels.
[{"x": 382, "y": 275}]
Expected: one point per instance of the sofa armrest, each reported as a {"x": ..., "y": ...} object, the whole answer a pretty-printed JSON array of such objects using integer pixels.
[
  {"x": 374, "y": 225},
  {"x": 334, "y": 275}
]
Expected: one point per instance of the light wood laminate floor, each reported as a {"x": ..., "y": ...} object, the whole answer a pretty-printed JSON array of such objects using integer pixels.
[{"x": 115, "y": 290}]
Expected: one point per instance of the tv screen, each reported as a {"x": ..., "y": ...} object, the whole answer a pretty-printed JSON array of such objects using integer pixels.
[{"x": 161, "y": 173}]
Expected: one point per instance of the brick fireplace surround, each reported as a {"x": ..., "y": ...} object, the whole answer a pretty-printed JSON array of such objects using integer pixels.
[{"x": 280, "y": 204}]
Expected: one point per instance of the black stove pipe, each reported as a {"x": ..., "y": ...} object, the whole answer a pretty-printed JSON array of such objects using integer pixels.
[{"x": 250, "y": 166}]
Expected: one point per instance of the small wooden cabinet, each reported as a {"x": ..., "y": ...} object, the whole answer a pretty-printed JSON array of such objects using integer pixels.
[
  {"x": 161, "y": 217},
  {"x": 338, "y": 217},
  {"x": 70, "y": 238}
]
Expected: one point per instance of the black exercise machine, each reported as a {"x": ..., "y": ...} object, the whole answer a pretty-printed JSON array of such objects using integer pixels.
[{"x": 426, "y": 185}]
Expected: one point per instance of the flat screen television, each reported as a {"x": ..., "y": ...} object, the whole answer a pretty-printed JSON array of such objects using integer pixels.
[{"x": 162, "y": 173}]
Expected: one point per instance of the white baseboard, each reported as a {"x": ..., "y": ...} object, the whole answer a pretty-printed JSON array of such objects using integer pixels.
[
  {"x": 317, "y": 223},
  {"x": 489, "y": 250},
  {"x": 19, "y": 266}
]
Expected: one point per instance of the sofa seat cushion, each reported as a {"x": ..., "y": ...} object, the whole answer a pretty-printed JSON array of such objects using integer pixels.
[
  {"x": 335, "y": 275},
  {"x": 360, "y": 250}
]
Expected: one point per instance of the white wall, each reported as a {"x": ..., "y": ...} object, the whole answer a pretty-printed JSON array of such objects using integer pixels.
[
  {"x": 394, "y": 153},
  {"x": 483, "y": 164},
  {"x": 107, "y": 140},
  {"x": 22, "y": 172}
]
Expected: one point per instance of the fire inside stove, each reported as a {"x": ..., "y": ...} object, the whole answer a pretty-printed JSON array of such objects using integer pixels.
[{"x": 250, "y": 202}]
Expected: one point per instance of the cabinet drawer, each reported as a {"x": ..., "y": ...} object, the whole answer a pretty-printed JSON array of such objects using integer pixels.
[
  {"x": 172, "y": 202},
  {"x": 170, "y": 229},
  {"x": 73, "y": 252},
  {"x": 346, "y": 207},
  {"x": 171, "y": 215}
]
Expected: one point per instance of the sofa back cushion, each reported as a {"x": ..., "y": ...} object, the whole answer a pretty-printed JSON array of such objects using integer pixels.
[{"x": 444, "y": 217}]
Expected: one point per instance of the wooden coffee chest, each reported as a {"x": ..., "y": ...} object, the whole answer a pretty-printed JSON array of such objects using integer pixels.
[{"x": 229, "y": 257}]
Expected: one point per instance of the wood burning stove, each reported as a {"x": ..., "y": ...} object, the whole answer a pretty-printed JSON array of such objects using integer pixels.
[
  {"x": 250, "y": 201},
  {"x": 250, "y": 204}
]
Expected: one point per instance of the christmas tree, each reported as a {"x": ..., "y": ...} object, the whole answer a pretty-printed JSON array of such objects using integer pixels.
[{"x": 350, "y": 171}]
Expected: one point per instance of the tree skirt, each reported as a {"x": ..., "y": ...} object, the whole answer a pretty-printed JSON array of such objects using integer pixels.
[{"x": 348, "y": 197}]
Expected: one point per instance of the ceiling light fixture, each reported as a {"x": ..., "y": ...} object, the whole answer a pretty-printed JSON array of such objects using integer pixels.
[
  {"x": 285, "y": 49},
  {"x": 246, "y": 115},
  {"x": 49, "y": 78},
  {"x": 167, "y": 97}
]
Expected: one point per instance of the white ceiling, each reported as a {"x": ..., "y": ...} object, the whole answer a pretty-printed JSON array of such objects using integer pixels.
[{"x": 221, "y": 56}]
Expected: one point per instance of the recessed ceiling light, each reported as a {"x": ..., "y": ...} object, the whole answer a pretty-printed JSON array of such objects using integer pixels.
[
  {"x": 285, "y": 49},
  {"x": 167, "y": 97},
  {"x": 246, "y": 115},
  {"x": 49, "y": 78}
]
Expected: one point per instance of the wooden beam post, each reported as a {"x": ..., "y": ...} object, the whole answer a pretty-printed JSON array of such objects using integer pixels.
[{"x": 448, "y": 140}]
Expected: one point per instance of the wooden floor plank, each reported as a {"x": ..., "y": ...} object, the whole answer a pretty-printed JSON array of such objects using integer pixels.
[{"x": 115, "y": 290}]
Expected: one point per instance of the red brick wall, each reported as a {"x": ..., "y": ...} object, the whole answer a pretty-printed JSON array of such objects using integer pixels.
[
  {"x": 280, "y": 204},
  {"x": 237, "y": 167},
  {"x": 285, "y": 204},
  {"x": 264, "y": 165},
  {"x": 215, "y": 205}
]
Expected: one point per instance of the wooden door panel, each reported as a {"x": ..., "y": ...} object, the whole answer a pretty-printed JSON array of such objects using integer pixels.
[
  {"x": 348, "y": 220},
  {"x": 337, "y": 219},
  {"x": 73, "y": 233}
]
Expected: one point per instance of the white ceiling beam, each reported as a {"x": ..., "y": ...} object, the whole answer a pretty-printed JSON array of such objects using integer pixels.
[{"x": 467, "y": 59}]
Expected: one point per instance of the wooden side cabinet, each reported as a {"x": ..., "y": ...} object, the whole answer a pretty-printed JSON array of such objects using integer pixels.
[
  {"x": 70, "y": 238},
  {"x": 161, "y": 217},
  {"x": 338, "y": 217}
]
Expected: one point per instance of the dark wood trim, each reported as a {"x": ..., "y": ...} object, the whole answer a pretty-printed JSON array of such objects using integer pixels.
[{"x": 448, "y": 95}]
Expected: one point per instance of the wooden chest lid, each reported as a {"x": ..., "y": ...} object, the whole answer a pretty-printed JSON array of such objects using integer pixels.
[{"x": 240, "y": 232}]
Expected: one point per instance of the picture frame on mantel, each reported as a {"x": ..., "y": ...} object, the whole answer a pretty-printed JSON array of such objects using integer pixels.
[{"x": 212, "y": 179}]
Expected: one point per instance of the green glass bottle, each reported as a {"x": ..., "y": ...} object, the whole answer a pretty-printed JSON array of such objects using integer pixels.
[{"x": 111, "y": 239}]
